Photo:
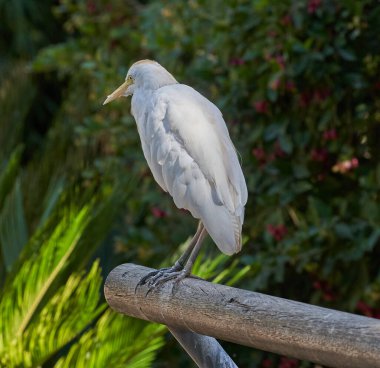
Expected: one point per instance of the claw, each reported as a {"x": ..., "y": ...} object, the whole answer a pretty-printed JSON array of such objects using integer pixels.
[
  {"x": 157, "y": 278},
  {"x": 153, "y": 279}
]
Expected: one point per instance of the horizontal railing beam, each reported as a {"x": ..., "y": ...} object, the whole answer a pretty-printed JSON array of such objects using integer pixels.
[{"x": 302, "y": 331}]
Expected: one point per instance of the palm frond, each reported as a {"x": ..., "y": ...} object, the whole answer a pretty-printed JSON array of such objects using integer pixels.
[
  {"x": 55, "y": 189},
  {"x": 219, "y": 269},
  {"x": 13, "y": 228},
  {"x": 9, "y": 171},
  {"x": 24, "y": 294},
  {"x": 116, "y": 341},
  {"x": 15, "y": 84},
  {"x": 64, "y": 316}
]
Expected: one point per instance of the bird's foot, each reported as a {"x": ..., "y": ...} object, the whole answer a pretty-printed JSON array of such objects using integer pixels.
[
  {"x": 152, "y": 277},
  {"x": 157, "y": 278}
]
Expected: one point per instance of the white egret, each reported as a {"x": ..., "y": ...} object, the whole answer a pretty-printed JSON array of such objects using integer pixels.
[{"x": 189, "y": 151}]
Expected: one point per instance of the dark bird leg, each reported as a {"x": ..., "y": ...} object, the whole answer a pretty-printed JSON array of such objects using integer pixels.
[
  {"x": 152, "y": 277},
  {"x": 185, "y": 271}
]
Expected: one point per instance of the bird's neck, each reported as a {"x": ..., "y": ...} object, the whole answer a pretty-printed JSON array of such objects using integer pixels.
[{"x": 156, "y": 80}]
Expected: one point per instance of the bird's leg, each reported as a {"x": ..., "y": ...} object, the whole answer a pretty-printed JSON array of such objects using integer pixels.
[
  {"x": 185, "y": 271},
  {"x": 178, "y": 265},
  {"x": 181, "y": 261}
]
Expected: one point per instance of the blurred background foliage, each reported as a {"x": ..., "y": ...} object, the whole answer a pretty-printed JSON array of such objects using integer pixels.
[{"x": 298, "y": 84}]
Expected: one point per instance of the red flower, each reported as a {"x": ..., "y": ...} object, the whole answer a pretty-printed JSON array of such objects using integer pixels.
[
  {"x": 286, "y": 20},
  {"x": 158, "y": 212},
  {"x": 280, "y": 61},
  {"x": 354, "y": 163},
  {"x": 267, "y": 363},
  {"x": 330, "y": 135},
  {"x": 91, "y": 6},
  {"x": 237, "y": 62},
  {"x": 329, "y": 296},
  {"x": 261, "y": 106},
  {"x": 304, "y": 99},
  {"x": 319, "y": 154},
  {"x": 313, "y": 5},
  {"x": 259, "y": 153},
  {"x": 364, "y": 308},
  {"x": 277, "y": 232},
  {"x": 328, "y": 293},
  {"x": 320, "y": 95},
  {"x": 288, "y": 363},
  {"x": 278, "y": 151},
  {"x": 290, "y": 86}
]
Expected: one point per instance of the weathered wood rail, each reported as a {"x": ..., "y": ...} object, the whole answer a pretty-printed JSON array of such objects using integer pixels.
[{"x": 303, "y": 331}]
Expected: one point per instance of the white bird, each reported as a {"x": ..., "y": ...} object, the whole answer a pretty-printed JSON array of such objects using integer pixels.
[{"x": 189, "y": 151}]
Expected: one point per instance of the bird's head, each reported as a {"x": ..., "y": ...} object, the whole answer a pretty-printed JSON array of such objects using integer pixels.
[{"x": 144, "y": 74}]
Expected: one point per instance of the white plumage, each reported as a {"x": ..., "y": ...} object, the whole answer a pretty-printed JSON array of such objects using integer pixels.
[{"x": 189, "y": 151}]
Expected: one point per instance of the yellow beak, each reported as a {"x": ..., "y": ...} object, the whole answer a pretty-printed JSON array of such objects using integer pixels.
[{"x": 118, "y": 92}]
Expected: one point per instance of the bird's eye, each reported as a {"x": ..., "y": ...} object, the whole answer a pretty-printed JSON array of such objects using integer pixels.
[{"x": 129, "y": 78}]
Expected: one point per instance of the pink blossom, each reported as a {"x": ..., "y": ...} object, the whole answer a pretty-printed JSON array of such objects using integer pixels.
[
  {"x": 158, "y": 212},
  {"x": 345, "y": 166}
]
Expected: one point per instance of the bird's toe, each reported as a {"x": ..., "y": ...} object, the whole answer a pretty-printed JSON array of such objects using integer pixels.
[{"x": 158, "y": 277}]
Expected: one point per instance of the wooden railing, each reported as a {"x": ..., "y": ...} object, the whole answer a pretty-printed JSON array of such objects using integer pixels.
[{"x": 198, "y": 309}]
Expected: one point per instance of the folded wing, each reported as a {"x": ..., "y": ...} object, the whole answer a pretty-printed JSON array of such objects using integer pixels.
[{"x": 190, "y": 153}]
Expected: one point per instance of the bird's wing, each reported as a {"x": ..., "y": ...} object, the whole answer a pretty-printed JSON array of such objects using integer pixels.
[{"x": 192, "y": 157}]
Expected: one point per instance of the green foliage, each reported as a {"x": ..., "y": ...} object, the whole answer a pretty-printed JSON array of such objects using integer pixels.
[
  {"x": 13, "y": 230},
  {"x": 125, "y": 342},
  {"x": 295, "y": 81}
]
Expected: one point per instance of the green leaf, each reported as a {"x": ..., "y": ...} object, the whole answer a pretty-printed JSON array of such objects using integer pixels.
[
  {"x": 25, "y": 294},
  {"x": 13, "y": 229},
  {"x": 343, "y": 230},
  {"x": 286, "y": 144},
  {"x": 116, "y": 341},
  {"x": 347, "y": 54},
  {"x": 9, "y": 172}
]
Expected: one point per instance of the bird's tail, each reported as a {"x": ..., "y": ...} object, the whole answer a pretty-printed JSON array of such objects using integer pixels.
[{"x": 224, "y": 228}]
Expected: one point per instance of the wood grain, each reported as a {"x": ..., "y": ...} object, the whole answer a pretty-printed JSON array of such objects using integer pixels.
[{"x": 303, "y": 331}]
